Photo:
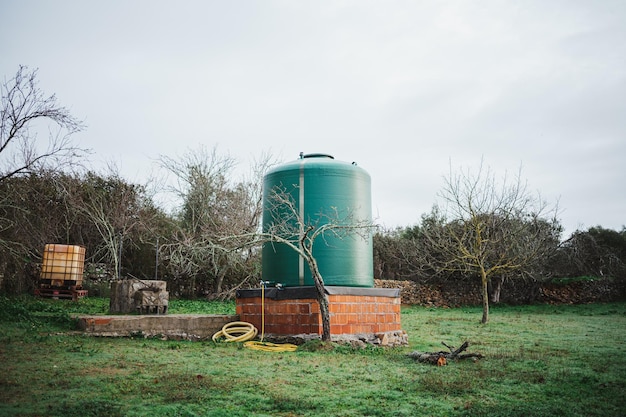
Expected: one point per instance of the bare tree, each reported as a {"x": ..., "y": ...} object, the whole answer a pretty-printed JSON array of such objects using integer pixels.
[
  {"x": 218, "y": 215},
  {"x": 116, "y": 209},
  {"x": 400, "y": 254},
  {"x": 290, "y": 227},
  {"x": 488, "y": 229},
  {"x": 23, "y": 105}
]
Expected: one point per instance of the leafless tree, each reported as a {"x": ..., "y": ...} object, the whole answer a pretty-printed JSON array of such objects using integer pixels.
[
  {"x": 23, "y": 106},
  {"x": 118, "y": 210},
  {"x": 399, "y": 254},
  {"x": 488, "y": 229},
  {"x": 290, "y": 227},
  {"x": 219, "y": 212}
]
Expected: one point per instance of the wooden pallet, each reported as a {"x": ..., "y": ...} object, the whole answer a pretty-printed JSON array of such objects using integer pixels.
[{"x": 61, "y": 293}]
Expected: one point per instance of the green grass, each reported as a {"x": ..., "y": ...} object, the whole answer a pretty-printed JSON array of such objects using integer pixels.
[
  {"x": 201, "y": 307},
  {"x": 584, "y": 278},
  {"x": 540, "y": 360}
]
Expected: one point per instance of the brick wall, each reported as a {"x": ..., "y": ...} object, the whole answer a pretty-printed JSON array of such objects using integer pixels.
[{"x": 349, "y": 314}]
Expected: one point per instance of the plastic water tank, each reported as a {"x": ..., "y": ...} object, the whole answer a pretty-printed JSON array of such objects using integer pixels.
[
  {"x": 317, "y": 183},
  {"x": 63, "y": 264}
]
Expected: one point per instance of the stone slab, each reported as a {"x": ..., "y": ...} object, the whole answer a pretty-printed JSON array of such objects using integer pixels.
[{"x": 171, "y": 326}]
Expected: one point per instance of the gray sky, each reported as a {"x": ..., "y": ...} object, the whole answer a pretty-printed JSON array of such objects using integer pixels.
[{"x": 401, "y": 87}]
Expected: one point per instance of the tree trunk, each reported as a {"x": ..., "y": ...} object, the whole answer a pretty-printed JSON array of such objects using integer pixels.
[
  {"x": 322, "y": 299},
  {"x": 485, "y": 282},
  {"x": 191, "y": 289},
  {"x": 496, "y": 289},
  {"x": 219, "y": 280}
]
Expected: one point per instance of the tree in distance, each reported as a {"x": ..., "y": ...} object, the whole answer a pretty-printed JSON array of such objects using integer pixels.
[
  {"x": 487, "y": 229},
  {"x": 23, "y": 104}
]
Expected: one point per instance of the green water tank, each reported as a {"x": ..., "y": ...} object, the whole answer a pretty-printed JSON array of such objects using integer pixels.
[{"x": 317, "y": 183}]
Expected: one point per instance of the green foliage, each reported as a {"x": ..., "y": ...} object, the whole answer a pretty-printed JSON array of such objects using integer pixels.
[
  {"x": 595, "y": 252},
  {"x": 181, "y": 306},
  {"x": 612, "y": 240},
  {"x": 32, "y": 313},
  {"x": 569, "y": 280}
]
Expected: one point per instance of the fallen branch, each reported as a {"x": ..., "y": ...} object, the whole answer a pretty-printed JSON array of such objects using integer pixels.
[{"x": 441, "y": 358}]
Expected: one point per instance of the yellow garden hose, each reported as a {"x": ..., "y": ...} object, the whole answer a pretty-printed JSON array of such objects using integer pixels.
[
  {"x": 236, "y": 331},
  {"x": 271, "y": 347},
  {"x": 241, "y": 331}
]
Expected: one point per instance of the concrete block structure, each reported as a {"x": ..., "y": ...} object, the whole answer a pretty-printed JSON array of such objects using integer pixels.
[
  {"x": 171, "y": 326},
  {"x": 139, "y": 296}
]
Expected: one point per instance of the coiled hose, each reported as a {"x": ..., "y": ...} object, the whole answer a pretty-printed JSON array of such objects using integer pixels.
[
  {"x": 241, "y": 331},
  {"x": 236, "y": 331}
]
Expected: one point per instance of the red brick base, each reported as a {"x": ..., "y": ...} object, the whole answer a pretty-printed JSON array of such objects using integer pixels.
[{"x": 354, "y": 313}]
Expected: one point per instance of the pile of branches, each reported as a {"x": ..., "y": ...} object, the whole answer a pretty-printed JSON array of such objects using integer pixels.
[{"x": 441, "y": 358}]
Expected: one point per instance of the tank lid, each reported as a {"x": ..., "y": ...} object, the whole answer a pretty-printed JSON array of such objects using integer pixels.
[{"x": 315, "y": 155}]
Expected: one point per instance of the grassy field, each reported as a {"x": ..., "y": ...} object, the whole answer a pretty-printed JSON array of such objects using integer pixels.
[{"x": 540, "y": 361}]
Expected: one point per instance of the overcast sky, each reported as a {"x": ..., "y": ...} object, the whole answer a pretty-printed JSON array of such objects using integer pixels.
[{"x": 401, "y": 87}]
